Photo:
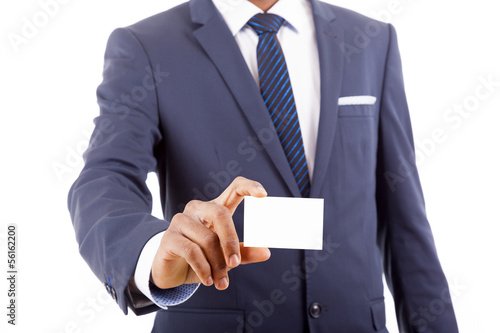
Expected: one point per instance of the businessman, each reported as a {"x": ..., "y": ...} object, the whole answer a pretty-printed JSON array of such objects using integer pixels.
[{"x": 231, "y": 98}]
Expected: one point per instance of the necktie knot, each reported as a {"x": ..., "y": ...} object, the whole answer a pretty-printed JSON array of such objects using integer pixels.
[{"x": 263, "y": 23}]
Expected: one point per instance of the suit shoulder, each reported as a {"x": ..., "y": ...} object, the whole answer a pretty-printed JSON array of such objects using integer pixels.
[
  {"x": 349, "y": 18},
  {"x": 361, "y": 31},
  {"x": 168, "y": 22}
]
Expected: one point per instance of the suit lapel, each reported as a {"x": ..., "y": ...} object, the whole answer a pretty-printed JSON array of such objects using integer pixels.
[
  {"x": 329, "y": 37},
  {"x": 221, "y": 47}
]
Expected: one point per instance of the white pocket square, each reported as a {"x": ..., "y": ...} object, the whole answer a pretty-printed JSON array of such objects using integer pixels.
[{"x": 357, "y": 100}]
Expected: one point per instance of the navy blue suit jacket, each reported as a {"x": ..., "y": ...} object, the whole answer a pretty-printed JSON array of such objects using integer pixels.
[{"x": 177, "y": 98}]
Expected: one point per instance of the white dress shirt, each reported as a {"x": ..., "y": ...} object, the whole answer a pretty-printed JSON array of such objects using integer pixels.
[{"x": 297, "y": 37}]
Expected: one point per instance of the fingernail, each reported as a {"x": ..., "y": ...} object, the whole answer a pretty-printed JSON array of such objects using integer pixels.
[
  {"x": 223, "y": 283},
  {"x": 210, "y": 281},
  {"x": 234, "y": 260}
]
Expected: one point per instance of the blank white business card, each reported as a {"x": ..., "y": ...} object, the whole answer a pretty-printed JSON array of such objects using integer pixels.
[{"x": 285, "y": 223}]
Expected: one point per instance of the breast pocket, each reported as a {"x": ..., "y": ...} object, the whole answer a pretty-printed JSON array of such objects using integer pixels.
[
  {"x": 362, "y": 110},
  {"x": 355, "y": 144}
]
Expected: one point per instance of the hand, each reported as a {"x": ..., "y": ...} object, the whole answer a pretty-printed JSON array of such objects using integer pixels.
[{"x": 201, "y": 244}]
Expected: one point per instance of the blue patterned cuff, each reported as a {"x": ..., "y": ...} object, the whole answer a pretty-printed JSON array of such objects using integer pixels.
[{"x": 174, "y": 296}]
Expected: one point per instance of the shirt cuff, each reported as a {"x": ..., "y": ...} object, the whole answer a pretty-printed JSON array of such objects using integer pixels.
[
  {"x": 174, "y": 296},
  {"x": 161, "y": 297}
]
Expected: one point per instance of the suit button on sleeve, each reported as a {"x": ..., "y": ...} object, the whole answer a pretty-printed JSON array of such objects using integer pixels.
[
  {"x": 113, "y": 294},
  {"x": 315, "y": 310}
]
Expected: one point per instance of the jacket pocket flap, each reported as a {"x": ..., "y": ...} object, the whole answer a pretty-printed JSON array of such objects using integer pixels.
[{"x": 378, "y": 314}]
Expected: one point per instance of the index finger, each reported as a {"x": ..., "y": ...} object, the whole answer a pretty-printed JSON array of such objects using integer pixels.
[
  {"x": 217, "y": 218},
  {"x": 237, "y": 190}
]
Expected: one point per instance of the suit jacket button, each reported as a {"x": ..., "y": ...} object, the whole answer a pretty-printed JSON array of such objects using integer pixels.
[
  {"x": 315, "y": 310},
  {"x": 113, "y": 294}
]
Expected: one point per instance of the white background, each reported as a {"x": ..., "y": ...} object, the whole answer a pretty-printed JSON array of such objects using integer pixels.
[{"x": 48, "y": 103}]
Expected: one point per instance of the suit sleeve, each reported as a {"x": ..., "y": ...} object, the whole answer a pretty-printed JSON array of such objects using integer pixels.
[
  {"x": 412, "y": 268},
  {"x": 109, "y": 203}
]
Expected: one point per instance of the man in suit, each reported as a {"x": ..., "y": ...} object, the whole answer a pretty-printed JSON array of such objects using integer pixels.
[{"x": 190, "y": 93}]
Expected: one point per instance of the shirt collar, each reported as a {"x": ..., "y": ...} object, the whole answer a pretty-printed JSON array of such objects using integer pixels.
[{"x": 236, "y": 13}]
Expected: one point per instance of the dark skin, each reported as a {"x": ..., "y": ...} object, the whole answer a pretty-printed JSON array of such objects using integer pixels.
[
  {"x": 201, "y": 244},
  {"x": 264, "y": 4}
]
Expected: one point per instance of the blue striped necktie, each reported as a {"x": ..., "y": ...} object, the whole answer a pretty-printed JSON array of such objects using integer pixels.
[{"x": 277, "y": 92}]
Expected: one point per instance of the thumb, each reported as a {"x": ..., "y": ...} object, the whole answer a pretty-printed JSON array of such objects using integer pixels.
[{"x": 250, "y": 255}]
